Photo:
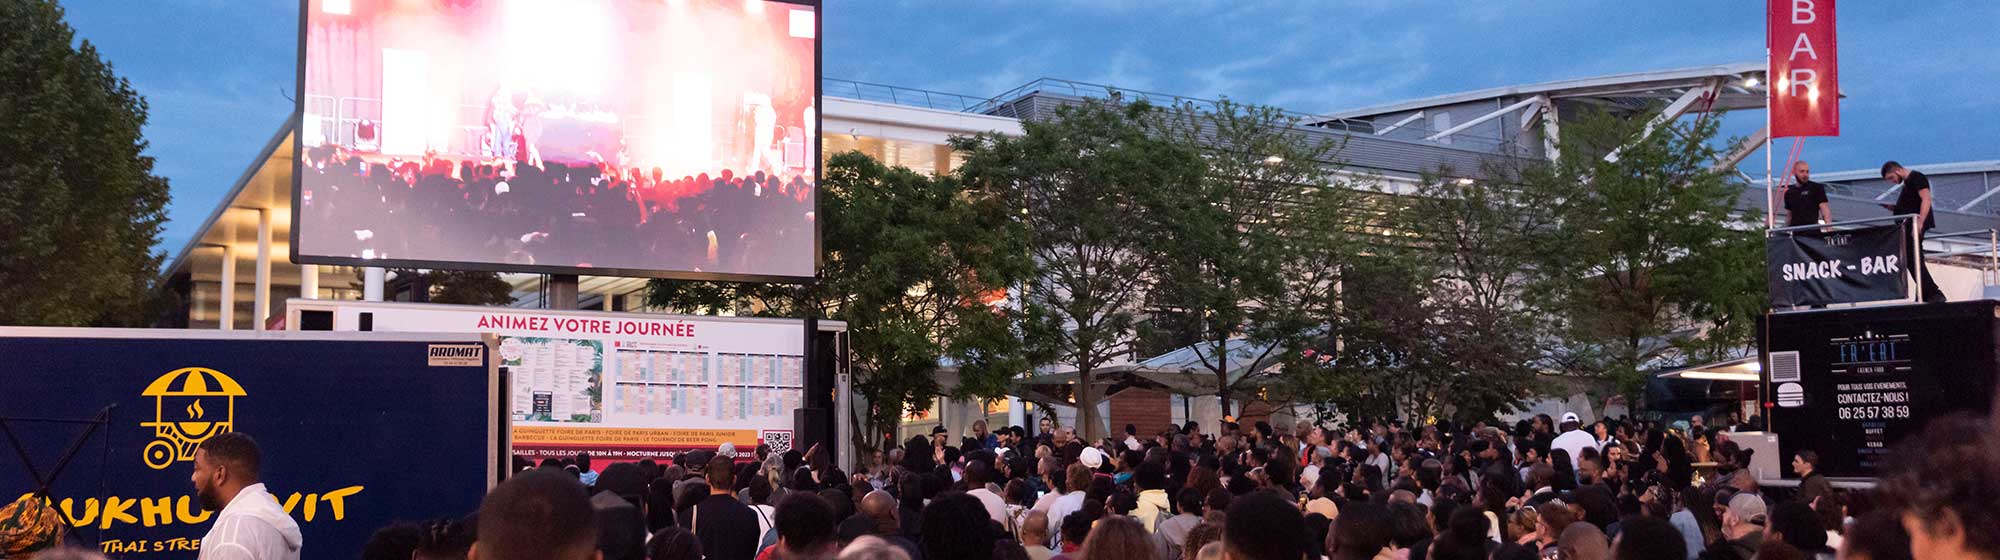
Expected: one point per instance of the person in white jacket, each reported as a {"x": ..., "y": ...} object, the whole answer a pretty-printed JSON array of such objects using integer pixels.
[{"x": 249, "y": 525}]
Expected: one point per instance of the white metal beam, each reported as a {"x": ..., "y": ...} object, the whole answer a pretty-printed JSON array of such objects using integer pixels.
[
  {"x": 226, "y": 316},
  {"x": 1674, "y": 111},
  {"x": 1990, "y": 190},
  {"x": 1528, "y": 116},
  {"x": 309, "y": 281},
  {"x": 1551, "y": 129},
  {"x": 1482, "y": 119},
  {"x": 1742, "y": 150},
  {"x": 1399, "y": 124},
  {"x": 260, "y": 307},
  {"x": 371, "y": 283}
]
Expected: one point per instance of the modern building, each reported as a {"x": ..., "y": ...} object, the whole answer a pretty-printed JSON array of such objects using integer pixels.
[
  {"x": 245, "y": 239},
  {"x": 233, "y": 274}
]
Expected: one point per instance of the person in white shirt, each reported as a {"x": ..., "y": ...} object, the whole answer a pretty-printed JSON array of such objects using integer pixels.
[
  {"x": 1380, "y": 458},
  {"x": 977, "y": 474},
  {"x": 1076, "y": 479},
  {"x": 1573, "y": 438},
  {"x": 249, "y": 524}
]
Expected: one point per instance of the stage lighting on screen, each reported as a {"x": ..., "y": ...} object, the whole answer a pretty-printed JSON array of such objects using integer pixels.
[
  {"x": 663, "y": 138},
  {"x": 802, "y": 22}
]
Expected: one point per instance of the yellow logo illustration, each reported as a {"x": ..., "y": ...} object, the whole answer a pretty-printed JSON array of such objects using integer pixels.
[{"x": 180, "y": 420}]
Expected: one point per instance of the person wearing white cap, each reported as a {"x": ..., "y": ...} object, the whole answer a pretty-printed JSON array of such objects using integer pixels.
[
  {"x": 1573, "y": 438},
  {"x": 727, "y": 449},
  {"x": 1742, "y": 528},
  {"x": 1091, "y": 457}
]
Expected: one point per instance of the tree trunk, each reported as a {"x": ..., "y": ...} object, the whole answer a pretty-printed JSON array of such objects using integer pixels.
[
  {"x": 1086, "y": 408},
  {"x": 1222, "y": 395}
]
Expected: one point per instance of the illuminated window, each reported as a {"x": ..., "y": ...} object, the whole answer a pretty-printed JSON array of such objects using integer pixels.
[{"x": 342, "y": 7}]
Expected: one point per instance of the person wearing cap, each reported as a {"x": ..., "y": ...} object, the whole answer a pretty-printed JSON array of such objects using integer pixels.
[
  {"x": 1573, "y": 438},
  {"x": 1742, "y": 530},
  {"x": 1091, "y": 457},
  {"x": 28, "y": 526},
  {"x": 940, "y": 438}
]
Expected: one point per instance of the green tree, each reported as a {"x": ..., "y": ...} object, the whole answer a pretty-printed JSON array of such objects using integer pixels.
[
  {"x": 910, "y": 263},
  {"x": 456, "y": 286},
  {"x": 79, "y": 202},
  {"x": 1647, "y": 263},
  {"x": 1090, "y": 186},
  {"x": 1435, "y": 321},
  {"x": 1247, "y": 251}
]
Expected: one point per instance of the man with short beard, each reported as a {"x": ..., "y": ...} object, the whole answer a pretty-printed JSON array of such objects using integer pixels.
[{"x": 249, "y": 523}]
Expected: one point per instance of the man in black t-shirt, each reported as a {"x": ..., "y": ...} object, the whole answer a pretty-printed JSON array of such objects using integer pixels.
[
  {"x": 726, "y": 528},
  {"x": 1915, "y": 198},
  {"x": 1805, "y": 200}
]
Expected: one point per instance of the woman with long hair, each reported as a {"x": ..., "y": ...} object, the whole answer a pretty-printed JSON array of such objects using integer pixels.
[
  {"x": 1118, "y": 538},
  {"x": 1565, "y": 469},
  {"x": 1203, "y": 476}
]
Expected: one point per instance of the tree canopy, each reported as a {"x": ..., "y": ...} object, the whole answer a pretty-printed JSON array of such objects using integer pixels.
[
  {"x": 1092, "y": 188},
  {"x": 912, "y": 264},
  {"x": 1647, "y": 262},
  {"x": 79, "y": 204}
]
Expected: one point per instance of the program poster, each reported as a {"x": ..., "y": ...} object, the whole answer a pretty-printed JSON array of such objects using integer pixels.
[
  {"x": 626, "y": 387},
  {"x": 666, "y": 138},
  {"x": 357, "y": 430},
  {"x": 1851, "y": 384}
]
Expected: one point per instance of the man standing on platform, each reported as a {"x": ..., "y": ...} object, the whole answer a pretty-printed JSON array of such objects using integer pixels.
[
  {"x": 1805, "y": 200},
  {"x": 1915, "y": 198}
]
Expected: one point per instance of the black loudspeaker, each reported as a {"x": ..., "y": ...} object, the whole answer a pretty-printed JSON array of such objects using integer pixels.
[
  {"x": 819, "y": 368},
  {"x": 814, "y": 426},
  {"x": 813, "y": 423},
  {"x": 314, "y": 320}
]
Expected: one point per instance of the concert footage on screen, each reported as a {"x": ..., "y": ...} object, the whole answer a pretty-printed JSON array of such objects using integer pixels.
[{"x": 660, "y": 137}]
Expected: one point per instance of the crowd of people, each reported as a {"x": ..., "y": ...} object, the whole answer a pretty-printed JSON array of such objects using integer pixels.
[
  {"x": 1541, "y": 488},
  {"x": 552, "y": 214}
]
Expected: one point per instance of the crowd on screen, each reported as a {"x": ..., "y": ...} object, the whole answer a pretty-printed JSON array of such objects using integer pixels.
[
  {"x": 551, "y": 214},
  {"x": 1542, "y": 488}
]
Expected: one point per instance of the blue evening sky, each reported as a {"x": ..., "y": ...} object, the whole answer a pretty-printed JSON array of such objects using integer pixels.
[{"x": 1919, "y": 76}]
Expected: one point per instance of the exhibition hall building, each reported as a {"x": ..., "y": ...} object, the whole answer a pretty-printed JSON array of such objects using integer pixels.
[{"x": 234, "y": 272}]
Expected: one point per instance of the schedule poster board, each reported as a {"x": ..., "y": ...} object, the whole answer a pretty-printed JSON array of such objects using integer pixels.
[
  {"x": 357, "y": 430},
  {"x": 627, "y": 386},
  {"x": 1850, "y": 384},
  {"x": 660, "y": 138}
]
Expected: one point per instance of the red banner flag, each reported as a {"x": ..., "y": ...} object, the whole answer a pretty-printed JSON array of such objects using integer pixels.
[{"x": 1804, "y": 78}]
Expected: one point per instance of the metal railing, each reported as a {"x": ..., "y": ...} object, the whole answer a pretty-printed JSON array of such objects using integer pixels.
[
  {"x": 1977, "y": 243},
  {"x": 1080, "y": 90},
  {"x": 896, "y": 95},
  {"x": 1982, "y": 243}
]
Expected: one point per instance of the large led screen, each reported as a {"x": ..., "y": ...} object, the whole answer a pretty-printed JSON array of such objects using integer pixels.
[{"x": 668, "y": 138}]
